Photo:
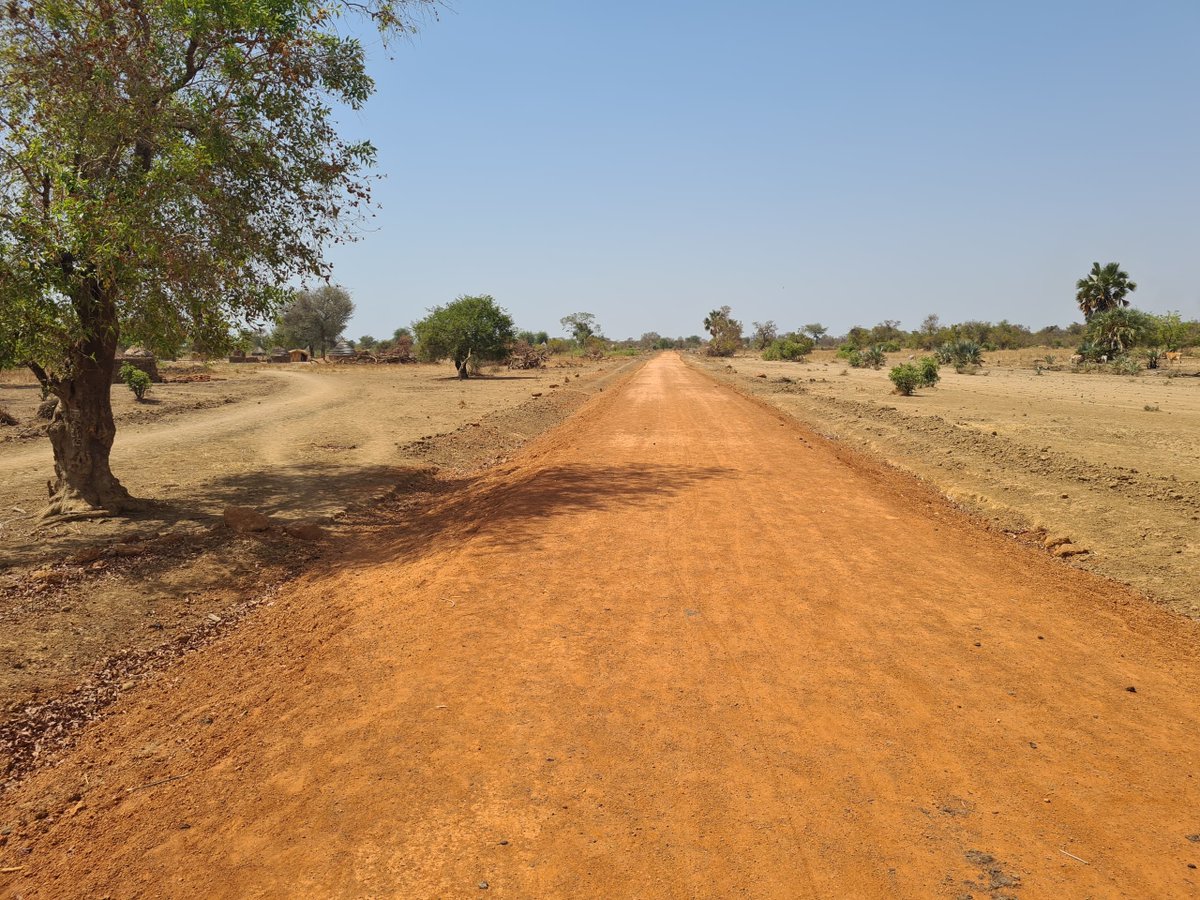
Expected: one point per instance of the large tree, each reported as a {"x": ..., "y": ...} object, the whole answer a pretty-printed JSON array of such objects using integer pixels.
[
  {"x": 165, "y": 169},
  {"x": 317, "y": 318},
  {"x": 470, "y": 329},
  {"x": 1105, "y": 287}
]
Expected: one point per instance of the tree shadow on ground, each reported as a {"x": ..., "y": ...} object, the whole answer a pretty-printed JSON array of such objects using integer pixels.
[
  {"x": 293, "y": 493},
  {"x": 513, "y": 512},
  {"x": 487, "y": 378}
]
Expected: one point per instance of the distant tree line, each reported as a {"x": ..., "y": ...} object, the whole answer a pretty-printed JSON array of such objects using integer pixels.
[{"x": 316, "y": 319}]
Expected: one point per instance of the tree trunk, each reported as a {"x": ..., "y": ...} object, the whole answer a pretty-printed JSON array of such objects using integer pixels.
[
  {"x": 461, "y": 365},
  {"x": 82, "y": 430}
]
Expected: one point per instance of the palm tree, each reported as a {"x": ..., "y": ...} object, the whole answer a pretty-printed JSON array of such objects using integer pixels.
[{"x": 1103, "y": 289}]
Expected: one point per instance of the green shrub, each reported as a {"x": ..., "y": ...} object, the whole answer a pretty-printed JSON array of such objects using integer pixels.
[
  {"x": 907, "y": 378},
  {"x": 1125, "y": 365},
  {"x": 928, "y": 367},
  {"x": 963, "y": 355},
  {"x": 967, "y": 353},
  {"x": 1089, "y": 352},
  {"x": 871, "y": 356},
  {"x": 136, "y": 380},
  {"x": 790, "y": 347}
]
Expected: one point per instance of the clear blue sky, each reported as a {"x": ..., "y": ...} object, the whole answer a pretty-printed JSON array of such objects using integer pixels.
[{"x": 836, "y": 162}]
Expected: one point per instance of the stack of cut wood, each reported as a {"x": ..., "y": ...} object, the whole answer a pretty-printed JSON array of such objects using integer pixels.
[
  {"x": 526, "y": 356},
  {"x": 399, "y": 354}
]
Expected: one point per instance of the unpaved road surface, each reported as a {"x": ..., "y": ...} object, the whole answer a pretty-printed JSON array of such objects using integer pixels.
[{"x": 679, "y": 647}]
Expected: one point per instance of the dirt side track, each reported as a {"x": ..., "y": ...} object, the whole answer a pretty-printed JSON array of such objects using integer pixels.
[{"x": 680, "y": 647}]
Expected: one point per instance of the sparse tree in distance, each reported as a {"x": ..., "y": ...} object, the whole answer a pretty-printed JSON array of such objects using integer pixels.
[
  {"x": 581, "y": 325},
  {"x": 533, "y": 338},
  {"x": 470, "y": 329},
  {"x": 366, "y": 342},
  {"x": 1105, "y": 287},
  {"x": 317, "y": 318},
  {"x": 764, "y": 334},
  {"x": 725, "y": 330},
  {"x": 816, "y": 331},
  {"x": 929, "y": 331},
  {"x": 165, "y": 168},
  {"x": 1172, "y": 331}
]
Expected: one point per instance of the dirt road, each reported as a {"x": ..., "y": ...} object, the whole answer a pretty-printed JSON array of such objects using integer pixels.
[{"x": 680, "y": 647}]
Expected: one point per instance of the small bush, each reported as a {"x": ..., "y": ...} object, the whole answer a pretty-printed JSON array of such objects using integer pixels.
[
  {"x": 963, "y": 355},
  {"x": 790, "y": 348},
  {"x": 907, "y": 378},
  {"x": 136, "y": 380},
  {"x": 1089, "y": 352},
  {"x": 1125, "y": 365},
  {"x": 7, "y": 418},
  {"x": 928, "y": 367},
  {"x": 872, "y": 356},
  {"x": 1149, "y": 408},
  {"x": 967, "y": 355}
]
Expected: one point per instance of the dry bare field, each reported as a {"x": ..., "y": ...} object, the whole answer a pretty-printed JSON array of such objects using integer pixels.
[
  {"x": 1111, "y": 461},
  {"x": 297, "y": 441}
]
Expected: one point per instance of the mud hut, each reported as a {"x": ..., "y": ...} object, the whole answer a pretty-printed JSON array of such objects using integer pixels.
[
  {"x": 259, "y": 354},
  {"x": 279, "y": 355},
  {"x": 139, "y": 358},
  {"x": 298, "y": 355}
]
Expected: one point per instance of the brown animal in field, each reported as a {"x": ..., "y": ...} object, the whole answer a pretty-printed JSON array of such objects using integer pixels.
[
  {"x": 1076, "y": 359},
  {"x": 1173, "y": 356}
]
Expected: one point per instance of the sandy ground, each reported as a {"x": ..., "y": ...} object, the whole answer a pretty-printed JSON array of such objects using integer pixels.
[
  {"x": 1111, "y": 461},
  {"x": 87, "y": 608},
  {"x": 295, "y": 441},
  {"x": 679, "y": 647}
]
